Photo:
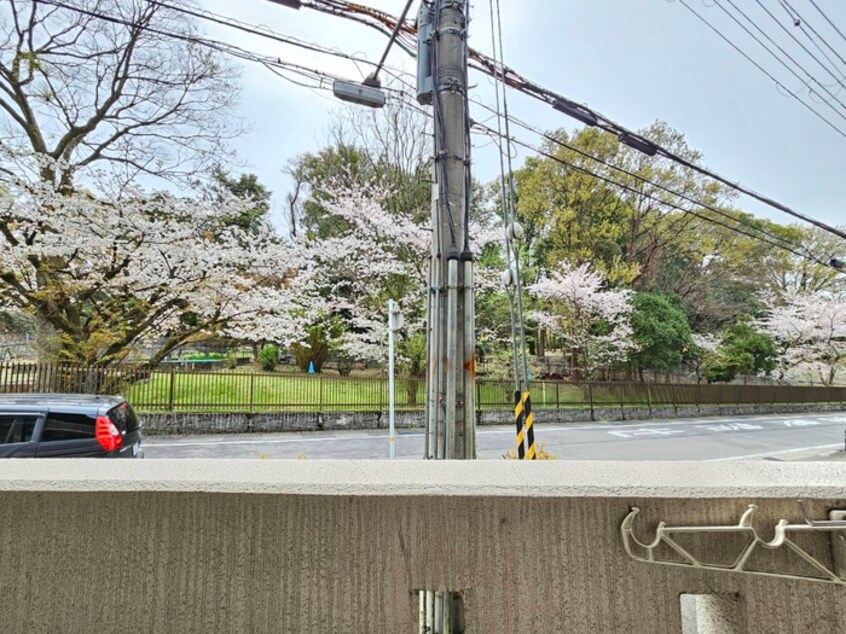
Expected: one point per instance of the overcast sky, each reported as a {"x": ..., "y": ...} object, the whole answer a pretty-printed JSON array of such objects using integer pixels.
[{"x": 633, "y": 60}]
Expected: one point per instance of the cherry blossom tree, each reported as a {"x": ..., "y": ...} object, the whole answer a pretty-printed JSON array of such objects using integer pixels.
[
  {"x": 593, "y": 321},
  {"x": 382, "y": 254},
  {"x": 107, "y": 272},
  {"x": 379, "y": 256},
  {"x": 810, "y": 329}
]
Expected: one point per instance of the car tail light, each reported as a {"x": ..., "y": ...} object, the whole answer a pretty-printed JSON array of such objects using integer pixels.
[{"x": 107, "y": 434}]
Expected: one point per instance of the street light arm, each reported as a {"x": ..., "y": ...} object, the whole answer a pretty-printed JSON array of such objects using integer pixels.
[
  {"x": 373, "y": 79},
  {"x": 291, "y": 4}
]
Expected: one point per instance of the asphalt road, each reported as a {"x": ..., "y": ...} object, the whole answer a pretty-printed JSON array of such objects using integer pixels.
[{"x": 780, "y": 437}]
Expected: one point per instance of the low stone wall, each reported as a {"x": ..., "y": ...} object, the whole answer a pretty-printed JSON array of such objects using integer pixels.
[
  {"x": 320, "y": 546},
  {"x": 234, "y": 423}
]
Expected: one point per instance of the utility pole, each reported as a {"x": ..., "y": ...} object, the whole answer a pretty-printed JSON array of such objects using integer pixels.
[
  {"x": 451, "y": 420},
  {"x": 451, "y": 336}
]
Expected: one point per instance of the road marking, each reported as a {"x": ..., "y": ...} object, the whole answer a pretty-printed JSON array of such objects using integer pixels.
[
  {"x": 772, "y": 453},
  {"x": 731, "y": 427},
  {"x": 646, "y": 432}
]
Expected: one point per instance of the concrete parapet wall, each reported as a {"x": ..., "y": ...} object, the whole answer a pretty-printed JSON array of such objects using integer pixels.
[
  {"x": 310, "y": 547},
  {"x": 229, "y": 423}
]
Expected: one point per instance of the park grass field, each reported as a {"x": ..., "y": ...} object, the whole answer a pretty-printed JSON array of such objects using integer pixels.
[{"x": 259, "y": 391}]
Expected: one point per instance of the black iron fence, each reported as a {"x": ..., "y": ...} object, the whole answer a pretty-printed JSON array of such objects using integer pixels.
[{"x": 171, "y": 389}]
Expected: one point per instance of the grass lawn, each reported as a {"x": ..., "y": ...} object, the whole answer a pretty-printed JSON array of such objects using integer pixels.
[
  {"x": 241, "y": 391},
  {"x": 238, "y": 391}
]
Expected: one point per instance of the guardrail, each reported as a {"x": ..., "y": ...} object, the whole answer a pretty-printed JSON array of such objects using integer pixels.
[{"x": 183, "y": 390}]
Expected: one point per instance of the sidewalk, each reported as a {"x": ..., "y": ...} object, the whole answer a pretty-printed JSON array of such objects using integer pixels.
[{"x": 828, "y": 455}]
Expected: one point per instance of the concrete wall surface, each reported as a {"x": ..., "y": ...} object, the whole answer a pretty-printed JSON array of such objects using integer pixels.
[{"x": 202, "y": 546}]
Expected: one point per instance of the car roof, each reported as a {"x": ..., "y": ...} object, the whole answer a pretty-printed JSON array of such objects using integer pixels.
[{"x": 71, "y": 403}]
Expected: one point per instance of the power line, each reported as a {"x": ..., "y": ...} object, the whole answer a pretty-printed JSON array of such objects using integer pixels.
[
  {"x": 223, "y": 47},
  {"x": 763, "y": 70},
  {"x": 373, "y": 18},
  {"x": 801, "y": 22},
  {"x": 670, "y": 205},
  {"x": 643, "y": 179},
  {"x": 784, "y": 52},
  {"x": 267, "y": 33},
  {"x": 838, "y": 80},
  {"x": 510, "y": 77},
  {"x": 274, "y": 64},
  {"x": 833, "y": 25}
]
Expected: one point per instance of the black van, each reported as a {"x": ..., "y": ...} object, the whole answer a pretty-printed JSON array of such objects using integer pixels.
[{"x": 68, "y": 426}]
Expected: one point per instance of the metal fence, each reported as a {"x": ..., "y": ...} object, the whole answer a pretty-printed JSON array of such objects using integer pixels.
[{"x": 183, "y": 390}]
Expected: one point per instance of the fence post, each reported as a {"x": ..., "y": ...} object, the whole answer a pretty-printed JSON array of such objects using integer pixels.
[
  {"x": 171, "y": 390},
  {"x": 252, "y": 390},
  {"x": 674, "y": 393},
  {"x": 649, "y": 399},
  {"x": 320, "y": 393},
  {"x": 622, "y": 404},
  {"x": 590, "y": 397},
  {"x": 557, "y": 398},
  {"x": 478, "y": 399}
]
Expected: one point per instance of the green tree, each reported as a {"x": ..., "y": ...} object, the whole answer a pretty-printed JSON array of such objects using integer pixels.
[
  {"x": 246, "y": 187},
  {"x": 743, "y": 351},
  {"x": 570, "y": 216},
  {"x": 661, "y": 330},
  {"x": 717, "y": 272}
]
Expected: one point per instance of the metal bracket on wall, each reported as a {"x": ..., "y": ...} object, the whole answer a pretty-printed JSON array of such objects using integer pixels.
[{"x": 833, "y": 529}]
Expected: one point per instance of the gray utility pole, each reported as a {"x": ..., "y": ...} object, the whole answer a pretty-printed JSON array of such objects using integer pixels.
[
  {"x": 451, "y": 336},
  {"x": 451, "y": 416}
]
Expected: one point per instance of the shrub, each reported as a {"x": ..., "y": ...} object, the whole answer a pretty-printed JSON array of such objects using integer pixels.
[
  {"x": 232, "y": 360},
  {"x": 269, "y": 357},
  {"x": 345, "y": 365}
]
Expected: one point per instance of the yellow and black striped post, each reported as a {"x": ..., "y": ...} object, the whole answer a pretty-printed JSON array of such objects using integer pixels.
[
  {"x": 518, "y": 422},
  {"x": 530, "y": 430}
]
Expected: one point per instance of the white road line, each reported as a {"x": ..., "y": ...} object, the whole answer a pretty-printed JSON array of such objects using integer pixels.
[{"x": 773, "y": 453}]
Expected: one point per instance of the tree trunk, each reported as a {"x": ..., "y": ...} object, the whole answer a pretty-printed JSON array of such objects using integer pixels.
[{"x": 541, "y": 342}]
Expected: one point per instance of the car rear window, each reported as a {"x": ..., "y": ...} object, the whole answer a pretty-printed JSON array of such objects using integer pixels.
[
  {"x": 16, "y": 428},
  {"x": 123, "y": 416},
  {"x": 61, "y": 426}
]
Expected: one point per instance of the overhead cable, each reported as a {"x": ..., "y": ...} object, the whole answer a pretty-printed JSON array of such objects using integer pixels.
[
  {"x": 275, "y": 64},
  {"x": 629, "y": 188},
  {"x": 645, "y": 180},
  {"x": 827, "y": 19},
  {"x": 838, "y": 80},
  {"x": 801, "y": 23},
  {"x": 777, "y": 82},
  {"x": 592, "y": 117},
  {"x": 781, "y": 49}
]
